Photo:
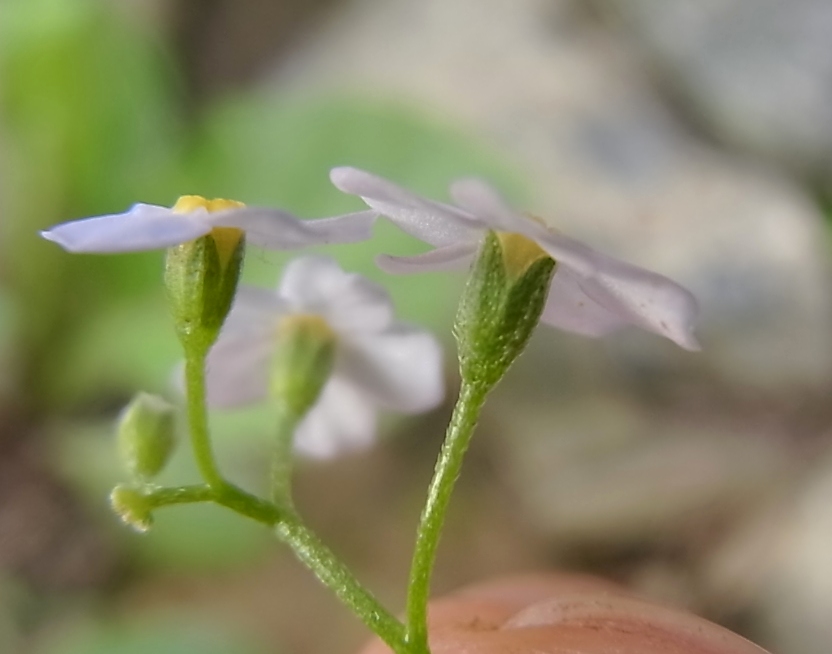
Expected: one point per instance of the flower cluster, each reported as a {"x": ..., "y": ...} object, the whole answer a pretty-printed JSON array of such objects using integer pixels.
[
  {"x": 379, "y": 361},
  {"x": 327, "y": 351}
]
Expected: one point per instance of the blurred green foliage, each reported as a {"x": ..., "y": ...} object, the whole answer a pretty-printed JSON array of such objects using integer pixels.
[{"x": 92, "y": 120}]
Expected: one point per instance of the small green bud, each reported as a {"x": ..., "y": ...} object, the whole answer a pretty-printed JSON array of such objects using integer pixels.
[
  {"x": 146, "y": 436},
  {"x": 132, "y": 507},
  {"x": 303, "y": 361},
  {"x": 500, "y": 305},
  {"x": 201, "y": 276}
]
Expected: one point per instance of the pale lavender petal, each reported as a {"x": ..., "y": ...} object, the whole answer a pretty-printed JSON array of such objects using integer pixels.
[
  {"x": 143, "y": 227},
  {"x": 342, "y": 419},
  {"x": 482, "y": 200},
  {"x": 578, "y": 256},
  {"x": 252, "y": 308},
  {"x": 433, "y": 222},
  {"x": 348, "y": 228},
  {"x": 641, "y": 297},
  {"x": 348, "y": 301},
  {"x": 646, "y": 299},
  {"x": 450, "y": 257},
  {"x": 279, "y": 230},
  {"x": 237, "y": 370},
  {"x": 401, "y": 369},
  {"x": 572, "y": 310}
]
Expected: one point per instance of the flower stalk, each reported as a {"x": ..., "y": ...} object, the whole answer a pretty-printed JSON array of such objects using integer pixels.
[
  {"x": 448, "y": 466},
  {"x": 198, "y": 418},
  {"x": 500, "y": 306},
  {"x": 283, "y": 457}
]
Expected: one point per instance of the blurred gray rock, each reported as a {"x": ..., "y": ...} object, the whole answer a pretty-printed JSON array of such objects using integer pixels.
[
  {"x": 758, "y": 71},
  {"x": 570, "y": 103},
  {"x": 798, "y": 596},
  {"x": 606, "y": 473},
  {"x": 778, "y": 561}
]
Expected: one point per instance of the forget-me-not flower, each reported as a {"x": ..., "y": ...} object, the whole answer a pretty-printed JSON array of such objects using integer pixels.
[
  {"x": 150, "y": 227},
  {"x": 379, "y": 362},
  {"x": 591, "y": 293}
]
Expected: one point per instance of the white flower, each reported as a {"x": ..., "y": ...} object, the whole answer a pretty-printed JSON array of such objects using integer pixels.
[
  {"x": 591, "y": 293},
  {"x": 150, "y": 227},
  {"x": 379, "y": 362}
]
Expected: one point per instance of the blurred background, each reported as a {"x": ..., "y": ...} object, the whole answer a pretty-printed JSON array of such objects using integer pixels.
[{"x": 694, "y": 138}]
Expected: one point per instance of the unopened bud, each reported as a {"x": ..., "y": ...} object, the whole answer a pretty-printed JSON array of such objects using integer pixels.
[{"x": 146, "y": 435}]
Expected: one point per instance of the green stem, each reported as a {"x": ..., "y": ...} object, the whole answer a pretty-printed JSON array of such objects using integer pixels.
[
  {"x": 283, "y": 457},
  {"x": 228, "y": 495},
  {"x": 169, "y": 496},
  {"x": 304, "y": 543},
  {"x": 335, "y": 576},
  {"x": 235, "y": 498},
  {"x": 448, "y": 466},
  {"x": 198, "y": 417}
]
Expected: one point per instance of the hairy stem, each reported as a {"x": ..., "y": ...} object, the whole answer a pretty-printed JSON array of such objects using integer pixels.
[
  {"x": 198, "y": 418},
  {"x": 448, "y": 466},
  {"x": 334, "y": 575}
]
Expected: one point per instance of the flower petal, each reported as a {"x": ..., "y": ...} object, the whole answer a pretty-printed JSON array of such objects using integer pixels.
[
  {"x": 482, "y": 200},
  {"x": 142, "y": 227},
  {"x": 646, "y": 299},
  {"x": 342, "y": 419},
  {"x": 450, "y": 257},
  {"x": 347, "y": 228},
  {"x": 279, "y": 230},
  {"x": 572, "y": 310},
  {"x": 641, "y": 297},
  {"x": 401, "y": 369},
  {"x": 252, "y": 308},
  {"x": 237, "y": 370},
  {"x": 349, "y": 302},
  {"x": 433, "y": 222}
]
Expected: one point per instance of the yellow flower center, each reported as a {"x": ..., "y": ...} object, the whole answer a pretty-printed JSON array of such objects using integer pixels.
[
  {"x": 189, "y": 203},
  {"x": 519, "y": 252},
  {"x": 303, "y": 361},
  {"x": 226, "y": 238},
  {"x": 313, "y": 326}
]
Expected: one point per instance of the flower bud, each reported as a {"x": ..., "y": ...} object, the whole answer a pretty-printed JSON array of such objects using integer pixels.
[
  {"x": 146, "y": 436},
  {"x": 132, "y": 507},
  {"x": 201, "y": 276},
  {"x": 303, "y": 361},
  {"x": 500, "y": 305}
]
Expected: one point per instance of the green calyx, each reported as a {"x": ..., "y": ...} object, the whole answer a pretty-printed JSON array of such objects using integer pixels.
[
  {"x": 303, "y": 362},
  {"x": 146, "y": 436},
  {"x": 201, "y": 280},
  {"x": 500, "y": 306}
]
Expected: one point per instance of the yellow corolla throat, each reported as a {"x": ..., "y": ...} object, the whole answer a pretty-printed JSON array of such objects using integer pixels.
[
  {"x": 311, "y": 325},
  {"x": 226, "y": 238},
  {"x": 303, "y": 361},
  {"x": 188, "y": 203},
  {"x": 519, "y": 252}
]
